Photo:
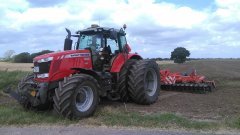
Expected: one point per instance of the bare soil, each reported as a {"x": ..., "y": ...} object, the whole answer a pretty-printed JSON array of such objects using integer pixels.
[{"x": 222, "y": 103}]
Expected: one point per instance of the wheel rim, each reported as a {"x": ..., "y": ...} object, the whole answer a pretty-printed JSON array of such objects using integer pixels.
[
  {"x": 151, "y": 82},
  {"x": 84, "y": 98}
]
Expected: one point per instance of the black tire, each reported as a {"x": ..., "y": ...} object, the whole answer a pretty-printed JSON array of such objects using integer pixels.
[
  {"x": 123, "y": 79},
  {"x": 67, "y": 94},
  {"x": 23, "y": 85},
  {"x": 22, "y": 90},
  {"x": 141, "y": 90}
]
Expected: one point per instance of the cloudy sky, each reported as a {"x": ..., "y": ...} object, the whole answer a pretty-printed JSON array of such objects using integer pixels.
[{"x": 207, "y": 28}]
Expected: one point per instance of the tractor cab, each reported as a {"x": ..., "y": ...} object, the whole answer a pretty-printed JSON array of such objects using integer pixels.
[{"x": 104, "y": 44}]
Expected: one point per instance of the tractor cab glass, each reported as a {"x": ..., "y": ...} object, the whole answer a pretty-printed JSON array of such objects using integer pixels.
[
  {"x": 112, "y": 45},
  {"x": 90, "y": 41},
  {"x": 123, "y": 41}
]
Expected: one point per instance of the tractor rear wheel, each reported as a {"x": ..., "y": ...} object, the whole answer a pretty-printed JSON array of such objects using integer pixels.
[
  {"x": 77, "y": 96},
  {"x": 144, "y": 82},
  {"x": 123, "y": 79}
]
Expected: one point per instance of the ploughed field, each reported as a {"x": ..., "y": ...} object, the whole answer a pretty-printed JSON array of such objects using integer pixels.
[{"x": 220, "y": 104}]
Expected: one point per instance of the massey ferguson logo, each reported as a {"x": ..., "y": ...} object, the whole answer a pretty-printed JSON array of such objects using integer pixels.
[{"x": 74, "y": 55}]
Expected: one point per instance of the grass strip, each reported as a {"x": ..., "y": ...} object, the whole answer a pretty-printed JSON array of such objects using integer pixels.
[
  {"x": 16, "y": 115},
  {"x": 10, "y": 78},
  {"x": 157, "y": 120}
]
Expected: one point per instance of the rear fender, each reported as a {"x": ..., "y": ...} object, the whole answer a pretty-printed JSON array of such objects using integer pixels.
[{"x": 120, "y": 59}]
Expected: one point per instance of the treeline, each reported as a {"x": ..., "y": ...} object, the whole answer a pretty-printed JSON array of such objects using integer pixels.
[
  {"x": 159, "y": 59},
  {"x": 189, "y": 59},
  {"x": 26, "y": 57}
]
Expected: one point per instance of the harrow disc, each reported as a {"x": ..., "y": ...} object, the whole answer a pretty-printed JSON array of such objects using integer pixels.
[{"x": 200, "y": 88}]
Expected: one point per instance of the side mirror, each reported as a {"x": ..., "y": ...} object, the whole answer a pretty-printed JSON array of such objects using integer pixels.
[{"x": 68, "y": 44}]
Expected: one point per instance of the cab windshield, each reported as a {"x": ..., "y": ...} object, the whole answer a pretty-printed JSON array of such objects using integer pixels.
[{"x": 92, "y": 41}]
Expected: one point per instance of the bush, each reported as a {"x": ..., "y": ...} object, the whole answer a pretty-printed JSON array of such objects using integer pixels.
[
  {"x": 22, "y": 58},
  {"x": 26, "y": 57},
  {"x": 33, "y": 55}
]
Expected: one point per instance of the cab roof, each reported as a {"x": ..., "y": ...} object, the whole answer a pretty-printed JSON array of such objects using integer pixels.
[{"x": 96, "y": 28}]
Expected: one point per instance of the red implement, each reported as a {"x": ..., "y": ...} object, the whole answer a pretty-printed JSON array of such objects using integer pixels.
[{"x": 185, "y": 82}]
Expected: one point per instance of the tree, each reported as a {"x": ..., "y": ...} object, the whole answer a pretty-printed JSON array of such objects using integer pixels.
[
  {"x": 179, "y": 55},
  {"x": 8, "y": 54},
  {"x": 22, "y": 58},
  {"x": 33, "y": 55},
  {"x": 26, "y": 57}
]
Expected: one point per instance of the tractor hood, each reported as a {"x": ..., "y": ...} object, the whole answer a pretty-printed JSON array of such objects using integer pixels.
[{"x": 58, "y": 55}]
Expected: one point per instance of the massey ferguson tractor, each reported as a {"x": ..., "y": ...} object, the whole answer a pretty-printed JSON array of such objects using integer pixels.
[{"x": 99, "y": 64}]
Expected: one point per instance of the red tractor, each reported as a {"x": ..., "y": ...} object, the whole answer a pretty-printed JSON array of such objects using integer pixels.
[{"x": 98, "y": 65}]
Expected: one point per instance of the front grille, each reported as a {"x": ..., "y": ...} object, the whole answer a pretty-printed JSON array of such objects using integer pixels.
[{"x": 43, "y": 67}]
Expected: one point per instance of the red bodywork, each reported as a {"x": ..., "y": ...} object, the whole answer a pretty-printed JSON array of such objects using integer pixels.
[
  {"x": 171, "y": 78},
  {"x": 120, "y": 60},
  {"x": 63, "y": 62}
]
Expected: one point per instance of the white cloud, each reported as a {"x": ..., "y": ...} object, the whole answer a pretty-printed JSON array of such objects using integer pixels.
[
  {"x": 153, "y": 27},
  {"x": 33, "y": 16},
  {"x": 228, "y": 10}
]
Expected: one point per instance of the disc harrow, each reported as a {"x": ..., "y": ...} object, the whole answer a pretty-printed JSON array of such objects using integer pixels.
[{"x": 188, "y": 83}]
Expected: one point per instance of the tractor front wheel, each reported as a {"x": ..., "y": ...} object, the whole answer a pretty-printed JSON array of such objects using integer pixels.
[
  {"x": 77, "y": 96},
  {"x": 27, "y": 101}
]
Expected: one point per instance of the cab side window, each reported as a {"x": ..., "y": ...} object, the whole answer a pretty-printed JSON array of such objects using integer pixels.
[
  {"x": 123, "y": 41},
  {"x": 112, "y": 44}
]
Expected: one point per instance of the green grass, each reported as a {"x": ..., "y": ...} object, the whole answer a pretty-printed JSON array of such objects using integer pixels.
[
  {"x": 10, "y": 78},
  {"x": 15, "y": 115},
  {"x": 233, "y": 122},
  {"x": 237, "y": 123},
  {"x": 117, "y": 117}
]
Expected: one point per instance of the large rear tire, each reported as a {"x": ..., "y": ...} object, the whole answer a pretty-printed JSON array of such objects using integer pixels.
[
  {"x": 123, "y": 79},
  {"x": 76, "y": 97},
  {"x": 144, "y": 82}
]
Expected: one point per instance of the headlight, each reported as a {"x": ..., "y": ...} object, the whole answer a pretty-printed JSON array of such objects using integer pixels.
[
  {"x": 42, "y": 75},
  {"x": 45, "y": 59}
]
